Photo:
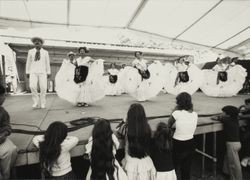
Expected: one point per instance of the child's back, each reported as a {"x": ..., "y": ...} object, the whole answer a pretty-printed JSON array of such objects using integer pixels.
[
  {"x": 161, "y": 153},
  {"x": 8, "y": 151}
]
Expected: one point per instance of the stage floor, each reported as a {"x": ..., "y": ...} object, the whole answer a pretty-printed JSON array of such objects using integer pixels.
[{"x": 24, "y": 117}]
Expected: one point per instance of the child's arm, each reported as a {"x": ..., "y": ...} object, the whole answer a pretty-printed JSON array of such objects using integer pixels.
[
  {"x": 69, "y": 142},
  {"x": 217, "y": 118},
  {"x": 37, "y": 139},
  {"x": 244, "y": 116}
]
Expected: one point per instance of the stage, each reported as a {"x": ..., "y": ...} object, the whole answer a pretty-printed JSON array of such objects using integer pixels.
[{"x": 23, "y": 117}]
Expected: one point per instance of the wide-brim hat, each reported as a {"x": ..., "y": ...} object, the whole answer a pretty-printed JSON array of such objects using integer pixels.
[
  {"x": 85, "y": 49},
  {"x": 37, "y": 38},
  {"x": 71, "y": 53}
]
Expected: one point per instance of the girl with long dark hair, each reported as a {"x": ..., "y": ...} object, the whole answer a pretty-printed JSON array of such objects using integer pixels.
[
  {"x": 54, "y": 153},
  {"x": 161, "y": 152},
  {"x": 184, "y": 119},
  {"x": 101, "y": 148},
  {"x": 137, "y": 136}
]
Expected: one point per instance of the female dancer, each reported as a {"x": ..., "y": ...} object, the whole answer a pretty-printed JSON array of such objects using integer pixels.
[
  {"x": 65, "y": 87},
  {"x": 90, "y": 78},
  {"x": 113, "y": 86},
  {"x": 184, "y": 76},
  {"x": 143, "y": 82},
  {"x": 226, "y": 78}
]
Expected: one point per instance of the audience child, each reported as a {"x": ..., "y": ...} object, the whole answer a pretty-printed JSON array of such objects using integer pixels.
[
  {"x": 161, "y": 153},
  {"x": 244, "y": 114},
  {"x": 184, "y": 119},
  {"x": 136, "y": 134},
  {"x": 54, "y": 151},
  {"x": 8, "y": 151},
  {"x": 231, "y": 164},
  {"x": 101, "y": 148}
]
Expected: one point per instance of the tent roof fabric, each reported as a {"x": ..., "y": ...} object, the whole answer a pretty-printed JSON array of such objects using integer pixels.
[{"x": 222, "y": 24}]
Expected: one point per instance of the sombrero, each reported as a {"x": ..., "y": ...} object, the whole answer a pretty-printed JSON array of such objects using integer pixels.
[
  {"x": 37, "y": 38},
  {"x": 71, "y": 53}
]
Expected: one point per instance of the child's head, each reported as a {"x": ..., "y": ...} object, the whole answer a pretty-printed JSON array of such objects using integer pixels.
[
  {"x": 231, "y": 111},
  {"x": 102, "y": 157},
  {"x": 123, "y": 65},
  {"x": 163, "y": 137},
  {"x": 218, "y": 61},
  {"x": 184, "y": 101},
  {"x": 2, "y": 94},
  {"x": 136, "y": 114},
  {"x": 102, "y": 129},
  {"x": 50, "y": 148},
  {"x": 139, "y": 131},
  {"x": 247, "y": 103}
]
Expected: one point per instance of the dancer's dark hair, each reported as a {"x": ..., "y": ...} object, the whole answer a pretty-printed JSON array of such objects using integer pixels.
[
  {"x": 86, "y": 50},
  {"x": 102, "y": 157},
  {"x": 163, "y": 137},
  {"x": 184, "y": 102},
  {"x": 50, "y": 148},
  {"x": 138, "y": 52},
  {"x": 138, "y": 132}
]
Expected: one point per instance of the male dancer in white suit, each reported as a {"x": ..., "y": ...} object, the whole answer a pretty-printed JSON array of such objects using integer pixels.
[{"x": 38, "y": 70}]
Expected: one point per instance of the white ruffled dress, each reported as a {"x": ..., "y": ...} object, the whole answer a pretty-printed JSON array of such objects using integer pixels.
[
  {"x": 89, "y": 91},
  {"x": 113, "y": 89},
  {"x": 65, "y": 86},
  {"x": 143, "y": 89},
  {"x": 196, "y": 78},
  {"x": 92, "y": 89},
  {"x": 139, "y": 169},
  {"x": 236, "y": 76}
]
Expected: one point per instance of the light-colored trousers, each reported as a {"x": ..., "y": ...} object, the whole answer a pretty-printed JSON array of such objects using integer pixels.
[
  {"x": 231, "y": 164},
  {"x": 8, "y": 155},
  {"x": 40, "y": 79}
]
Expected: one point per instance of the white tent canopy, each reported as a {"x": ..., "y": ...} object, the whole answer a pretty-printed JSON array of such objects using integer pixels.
[{"x": 222, "y": 24}]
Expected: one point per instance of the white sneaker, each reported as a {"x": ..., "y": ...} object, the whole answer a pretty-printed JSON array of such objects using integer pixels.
[{"x": 43, "y": 107}]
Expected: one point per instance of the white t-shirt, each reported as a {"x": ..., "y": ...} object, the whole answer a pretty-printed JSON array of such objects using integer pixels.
[
  {"x": 63, "y": 164},
  {"x": 186, "y": 123}
]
